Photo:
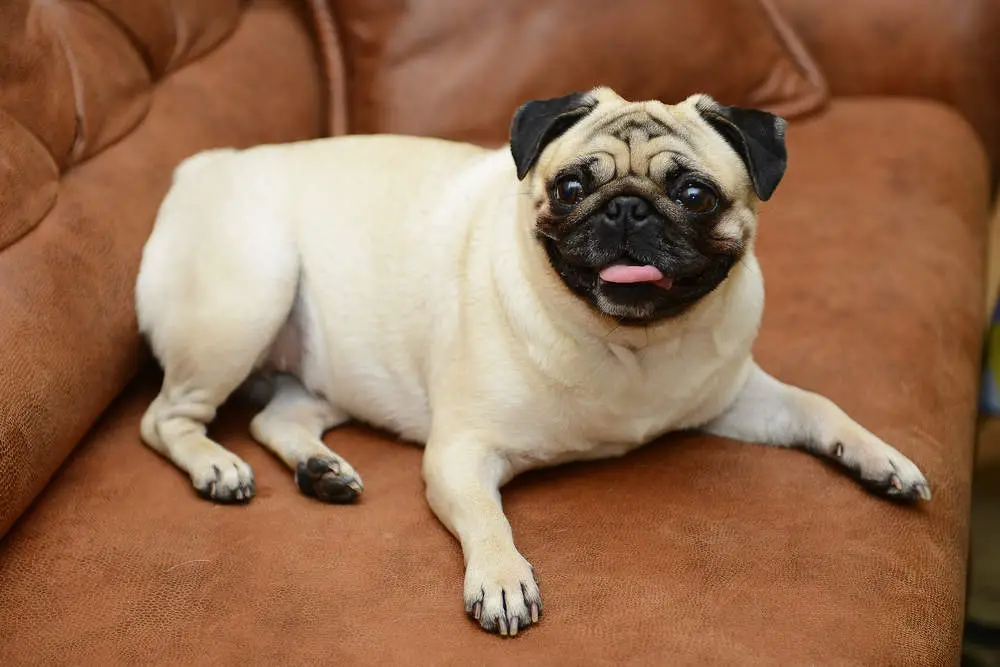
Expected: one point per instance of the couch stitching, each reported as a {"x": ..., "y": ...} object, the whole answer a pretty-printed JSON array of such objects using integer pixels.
[
  {"x": 180, "y": 36},
  {"x": 79, "y": 140},
  {"x": 324, "y": 18},
  {"x": 802, "y": 59},
  {"x": 134, "y": 40}
]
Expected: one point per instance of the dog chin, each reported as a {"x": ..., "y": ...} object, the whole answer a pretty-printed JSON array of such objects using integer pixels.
[
  {"x": 631, "y": 304},
  {"x": 642, "y": 305},
  {"x": 626, "y": 312}
]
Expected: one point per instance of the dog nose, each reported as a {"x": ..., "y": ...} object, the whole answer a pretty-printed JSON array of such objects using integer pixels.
[{"x": 626, "y": 208}]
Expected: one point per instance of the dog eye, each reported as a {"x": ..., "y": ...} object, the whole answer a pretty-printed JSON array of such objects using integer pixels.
[
  {"x": 569, "y": 191},
  {"x": 696, "y": 198}
]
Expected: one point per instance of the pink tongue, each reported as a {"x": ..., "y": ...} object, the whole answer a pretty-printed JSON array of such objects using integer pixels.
[{"x": 623, "y": 273}]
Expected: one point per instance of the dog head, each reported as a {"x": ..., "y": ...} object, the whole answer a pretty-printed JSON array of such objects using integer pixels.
[{"x": 643, "y": 208}]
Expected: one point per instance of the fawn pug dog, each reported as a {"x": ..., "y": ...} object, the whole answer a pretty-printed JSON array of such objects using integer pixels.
[{"x": 572, "y": 296}]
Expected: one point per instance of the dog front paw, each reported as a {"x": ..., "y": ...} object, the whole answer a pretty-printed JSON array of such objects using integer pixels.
[
  {"x": 881, "y": 469},
  {"x": 223, "y": 477},
  {"x": 501, "y": 593}
]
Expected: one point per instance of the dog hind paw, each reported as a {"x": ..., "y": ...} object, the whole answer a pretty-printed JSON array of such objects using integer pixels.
[
  {"x": 884, "y": 471},
  {"x": 328, "y": 479},
  {"x": 896, "y": 484}
]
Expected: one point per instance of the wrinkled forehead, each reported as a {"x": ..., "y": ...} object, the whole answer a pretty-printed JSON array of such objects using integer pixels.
[{"x": 649, "y": 140}]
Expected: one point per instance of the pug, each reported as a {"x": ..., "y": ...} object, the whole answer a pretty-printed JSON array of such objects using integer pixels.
[{"x": 569, "y": 297}]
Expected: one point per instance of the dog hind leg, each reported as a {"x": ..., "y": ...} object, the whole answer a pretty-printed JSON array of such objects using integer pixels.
[
  {"x": 291, "y": 426},
  {"x": 770, "y": 412},
  {"x": 218, "y": 280}
]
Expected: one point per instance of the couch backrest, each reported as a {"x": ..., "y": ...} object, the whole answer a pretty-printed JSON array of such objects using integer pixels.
[{"x": 459, "y": 68}]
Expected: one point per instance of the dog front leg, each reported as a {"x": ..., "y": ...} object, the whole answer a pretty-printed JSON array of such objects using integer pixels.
[
  {"x": 463, "y": 480},
  {"x": 771, "y": 412}
]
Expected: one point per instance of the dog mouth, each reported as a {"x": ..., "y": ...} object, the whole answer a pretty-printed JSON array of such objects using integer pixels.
[
  {"x": 628, "y": 273},
  {"x": 634, "y": 290}
]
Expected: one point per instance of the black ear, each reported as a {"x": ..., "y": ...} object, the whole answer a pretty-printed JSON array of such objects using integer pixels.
[
  {"x": 539, "y": 122},
  {"x": 757, "y": 136}
]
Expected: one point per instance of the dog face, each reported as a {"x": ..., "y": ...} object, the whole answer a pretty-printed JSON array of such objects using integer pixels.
[{"x": 643, "y": 208}]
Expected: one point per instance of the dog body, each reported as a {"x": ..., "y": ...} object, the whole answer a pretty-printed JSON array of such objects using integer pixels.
[{"x": 431, "y": 289}]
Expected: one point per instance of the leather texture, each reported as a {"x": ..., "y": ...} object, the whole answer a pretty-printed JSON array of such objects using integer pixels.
[
  {"x": 938, "y": 49},
  {"x": 78, "y": 74},
  {"x": 69, "y": 344},
  {"x": 458, "y": 69},
  {"x": 691, "y": 551}
]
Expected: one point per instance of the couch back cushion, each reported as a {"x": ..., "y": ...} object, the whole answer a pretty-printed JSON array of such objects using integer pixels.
[
  {"x": 76, "y": 76},
  {"x": 459, "y": 68}
]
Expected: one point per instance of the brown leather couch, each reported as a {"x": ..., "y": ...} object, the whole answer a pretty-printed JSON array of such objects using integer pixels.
[{"x": 692, "y": 551}]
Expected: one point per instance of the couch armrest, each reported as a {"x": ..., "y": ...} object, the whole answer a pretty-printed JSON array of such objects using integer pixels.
[
  {"x": 68, "y": 337},
  {"x": 946, "y": 50}
]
